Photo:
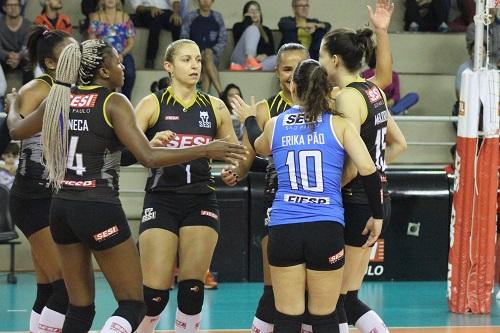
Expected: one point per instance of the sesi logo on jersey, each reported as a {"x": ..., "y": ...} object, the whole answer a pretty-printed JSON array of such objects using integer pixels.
[
  {"x": 205, "y": 120},
  {"x": 373, "y": 94},
  {"x": 188, "y": 140},
  {"x": 83, "y": 101},
  {"x": 297, "y": 119}
]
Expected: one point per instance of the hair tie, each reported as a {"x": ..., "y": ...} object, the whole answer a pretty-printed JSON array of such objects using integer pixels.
[
  {"x": 45, "y": 33},
  {"x": 63, "y": 83}
]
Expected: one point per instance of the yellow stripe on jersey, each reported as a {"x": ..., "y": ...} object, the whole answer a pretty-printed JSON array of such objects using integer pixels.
[
  {"x": 88, "y": 87},
  {"x": 205, "y": 98},
  {"x": 200, "y": 98},
  {"x": 156, "y": 114},
  {"x": 268, "y": 108},
  {"x": 272, "y": 104},
  {"x": 185, "y": 105},
  {"x": 287, "y": 101},
  {"x": 46, "y": 75},
  {"x": 104, "y": 110}
]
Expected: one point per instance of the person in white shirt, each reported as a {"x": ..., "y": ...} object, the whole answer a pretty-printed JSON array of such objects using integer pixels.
[{"x": 156, "y": 15}]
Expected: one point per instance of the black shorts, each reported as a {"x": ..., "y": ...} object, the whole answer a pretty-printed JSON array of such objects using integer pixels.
[
  {"x": 172, "y": 211},
  {"x": 29, "y": 215},
  {"x": 356, "y": 216},
  {"x": 98, "y": 225},
  {"x": 320, "y": 245}
]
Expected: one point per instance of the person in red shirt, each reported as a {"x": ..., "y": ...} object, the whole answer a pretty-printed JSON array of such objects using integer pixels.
[{"x": 51, "y": 18}]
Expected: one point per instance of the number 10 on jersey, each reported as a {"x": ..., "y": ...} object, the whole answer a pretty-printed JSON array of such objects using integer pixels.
[{"x": 311, "y": 180}]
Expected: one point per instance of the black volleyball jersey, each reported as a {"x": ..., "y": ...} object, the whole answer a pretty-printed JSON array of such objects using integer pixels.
[
  {"x": 373, "y": 132},
  {"x": 276, "y": 105},
  {"x": 194, "y": 123},
  {"x": 94, "y": 150},
  {"x": 31, "y": 177}
]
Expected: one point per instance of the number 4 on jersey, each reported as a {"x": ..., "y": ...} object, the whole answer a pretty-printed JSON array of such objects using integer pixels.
[{"x": 75, "y": 160}]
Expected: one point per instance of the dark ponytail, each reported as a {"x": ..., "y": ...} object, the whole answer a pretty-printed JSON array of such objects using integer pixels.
[
  {"x": 313, "y": 89},
  {"x": 349, "y": 45},
  {"x": 42, "y": 44}
]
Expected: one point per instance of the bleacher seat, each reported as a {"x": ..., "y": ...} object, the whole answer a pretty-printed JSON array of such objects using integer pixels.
[{"x": 8, "y": 234}]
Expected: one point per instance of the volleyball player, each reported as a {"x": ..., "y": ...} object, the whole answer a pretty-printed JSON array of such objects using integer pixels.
[
  {"x": 181, "y": 214},
  {"x": 31, "y": 195},
  {"x": 364, "y": 104},
  {"x": 306, "y": 245},
  {"x": 82, "y": 138}
]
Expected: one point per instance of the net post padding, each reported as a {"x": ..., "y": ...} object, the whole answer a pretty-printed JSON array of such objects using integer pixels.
[{"x": 473, "y": 223}]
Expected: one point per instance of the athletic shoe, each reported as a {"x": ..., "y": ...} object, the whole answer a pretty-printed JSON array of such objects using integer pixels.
[
  {"x": 252, "y": 64},
  {"x": 236, "y": 67},
  {"x": 414, "y": 27},
  {"x": 210, "y": 282},
  {"x": 443, "y": 27}
]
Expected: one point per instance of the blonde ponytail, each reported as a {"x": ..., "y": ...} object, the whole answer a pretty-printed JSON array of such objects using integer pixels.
[{"x": 56, "y": 116}]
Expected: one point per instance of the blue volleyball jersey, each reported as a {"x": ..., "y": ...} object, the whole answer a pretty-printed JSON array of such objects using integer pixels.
[{"x": 309, "y": 162}]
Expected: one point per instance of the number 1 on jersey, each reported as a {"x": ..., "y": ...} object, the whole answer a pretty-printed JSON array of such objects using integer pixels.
[
  {"x": 75, "y": 160},
  {"x": 188, "y": 174}
]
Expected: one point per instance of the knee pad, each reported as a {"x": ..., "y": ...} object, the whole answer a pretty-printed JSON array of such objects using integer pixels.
[
  {"x": 190, "y": 296},
  {"x": 43, "y": 293},
  {"x": 340, "y": 309},
  {"x": 354, "y": 308},
  {"x": 325, "y": 324},
  {"x": 266, "y": 310},
  {"x": 58, "y": 301},
  {"x": 156, "y": 300},
  {"x": 131, "y": 311},
  {"x": 286, "y": 323},
  {"x": 79, "y": 318}
]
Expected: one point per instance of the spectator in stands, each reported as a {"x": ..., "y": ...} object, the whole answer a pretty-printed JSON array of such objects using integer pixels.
[
  {"x": 254, "y": 43},
  {"x": 8, "y": 165},
  {"x": 206, "y": 28},
  {"x": 461, "y": 14},
  {"x": 494, "y": 36},
  {"x": 3, "y": 88},
  {"x": 51, "y": 18},
  {"x": 14, "y": 30},
  {"x": 427, "y": 15},
  {"x": 395, "y": 103},
  {"x": 113, "y": 25},
  {"x": 162, "y": 83},
  {"x": 302, "y": 29},
  {"x": 87, "y": 7},
  {"x": 156, "y": 15},
  {"x": 226, "y": 96}
]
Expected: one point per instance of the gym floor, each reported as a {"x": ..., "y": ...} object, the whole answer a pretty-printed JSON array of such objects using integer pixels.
[{"x": 406, "y": 307}]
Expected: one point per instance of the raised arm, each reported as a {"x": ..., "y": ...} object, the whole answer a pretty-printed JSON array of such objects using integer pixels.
[{"x": 380, "y": 19}]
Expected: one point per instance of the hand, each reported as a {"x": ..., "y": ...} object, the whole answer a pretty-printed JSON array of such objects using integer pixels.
[
  {"x": 120, "y": 56},
  {"x": 261, "y": 57},
  {"x": 13, "y": 63},
  {"x": 381, "y": 17},
  {"x": 161, "y": 139},
  {"x": 229, "y": 176},
  {"x": 373, "y": 229},
  {"x": 242, "y": 109},
  {"x": 208, "y": 52},
  {"x": 223, "y": 150},
  {"x": 154, "y": 11},
  {"x": 10, "y": 99},
  {"x": 176, "y": 19},
  {"x": 310, "y": 27}
]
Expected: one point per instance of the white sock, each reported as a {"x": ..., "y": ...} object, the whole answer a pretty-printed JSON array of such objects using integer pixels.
[
  {"x": 50, "y": 321},
  {"x": 34, "y": 319},
  {"x": 260, "y": 326},
  {"x": 371, "y": 322},
  {"x": 148, "y": 324},
  {"x": 344, "y": 328},
  {"x": 306, "y": 328},
  {"x": 187, "y": 323},
  {"x": 116, "y": 324}
]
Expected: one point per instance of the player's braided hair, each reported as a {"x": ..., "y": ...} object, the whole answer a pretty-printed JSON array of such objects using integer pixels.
[{"x": 74, "y": 63}]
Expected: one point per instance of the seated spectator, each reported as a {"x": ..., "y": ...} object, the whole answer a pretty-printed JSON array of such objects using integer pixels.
[
  {"x": 87, "y": 7},
  {"x": 14, "y": 30},
  {"x": 427, "y": 15},
  {"x": 206, "y": 27},
  {"x": 461, "y": 14},
  {"x": 8, "y": 165},
  {"x": 113, "y": 25},
  {"x": 493, "y": 37},
  {"x": 229, "y": 92},
  {"x": 156, "y": 15},
  {"x": 51, "y": 18},
  {"x": 254, "y": 44},
  {"x": 162, "y": 83},
  {"x": 394, "y": 102},
  {"x": 3, "y": 88},
  {"x": 302, "y": 29}
]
